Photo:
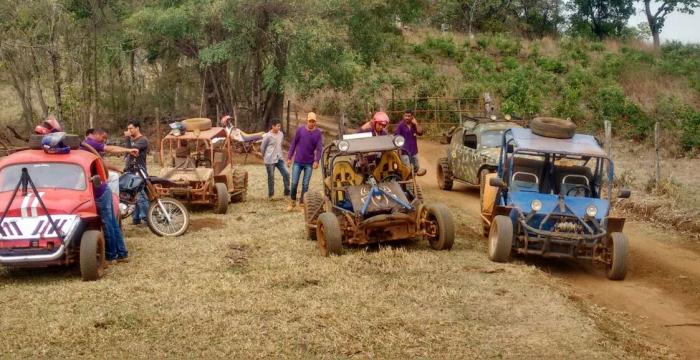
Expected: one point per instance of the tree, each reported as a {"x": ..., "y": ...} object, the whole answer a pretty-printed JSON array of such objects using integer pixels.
[
  {"x": 657, "y": 18},
  {"x": 600, "y": 18}
]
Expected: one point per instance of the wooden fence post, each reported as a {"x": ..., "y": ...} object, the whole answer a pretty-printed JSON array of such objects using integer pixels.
[
  {"x": 158, "y": 137},
  {"x": 459, "y": 110},
  {"x": 657, "y": 140},
  {"x": 289, "y": 110},
  {"x": 341, "y": 125},
  {"x": 607, "y": 125}
]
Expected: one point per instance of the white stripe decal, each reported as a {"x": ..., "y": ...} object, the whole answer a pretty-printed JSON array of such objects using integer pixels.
[
  {"x": 25, "y": 203},
  {"x": 35, "y": 204}
]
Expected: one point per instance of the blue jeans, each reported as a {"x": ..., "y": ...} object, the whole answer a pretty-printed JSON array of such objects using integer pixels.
[
  {"x": 411, "y": 160},
  {"x": 271, "y": 177},
  {"x": 296, "y": 172},
  {"x": 141, "y": 207},
  {"x": 115, "y": 248}
]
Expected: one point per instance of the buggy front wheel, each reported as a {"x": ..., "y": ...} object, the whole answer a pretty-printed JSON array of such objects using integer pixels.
[
  {"x": 619, "y": 251},
  {"x": 168, "y": 217},
  {"x": 500, "y": 239},
  {"x": 92, "y": 255},
  {"x": 441, "y": 226},
  {"x": 328, "y": 234}
]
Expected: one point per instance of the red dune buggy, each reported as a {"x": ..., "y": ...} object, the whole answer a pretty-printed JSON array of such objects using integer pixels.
[{"x": 48, "y": 214}]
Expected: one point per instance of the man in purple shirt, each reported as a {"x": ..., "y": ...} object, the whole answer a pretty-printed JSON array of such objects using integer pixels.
[
  {"x": 410, "y": 129},
  {"x": 115, "y": 247},
  {"x": 305, "y": 149}
]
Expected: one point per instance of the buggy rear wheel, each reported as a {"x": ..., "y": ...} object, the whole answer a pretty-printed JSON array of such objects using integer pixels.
[
  {"x": 222, "y": 198},
  {"x": 619, "y": 251},
  {"x": 240, "y": 186},
  {"x": 440, "y": 219},
  {"x": 500, "y": 239},
  {"x": 313, "y": 204},
  {"x": 328, "y": 234},
  {"x": 92, "y": 255},
  {"x": 158, "y": 217},
  {"x": 444, "y": 174}
]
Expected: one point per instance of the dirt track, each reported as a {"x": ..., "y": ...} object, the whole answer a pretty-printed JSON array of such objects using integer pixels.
[{"x": 661, "y": 294}]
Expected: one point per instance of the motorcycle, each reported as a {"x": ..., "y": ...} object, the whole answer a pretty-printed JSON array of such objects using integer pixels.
[
  {"x": 165, "y": 216},
  {"x": 243, "y": 142}
]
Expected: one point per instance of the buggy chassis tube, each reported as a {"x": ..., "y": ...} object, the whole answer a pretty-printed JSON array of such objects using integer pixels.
[
  {"x": 33, "y": 258},
  {"x": 555, "y": 234}
]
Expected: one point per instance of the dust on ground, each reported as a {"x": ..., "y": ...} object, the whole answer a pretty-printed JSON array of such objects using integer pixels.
[{"x": 255, "y": 287}]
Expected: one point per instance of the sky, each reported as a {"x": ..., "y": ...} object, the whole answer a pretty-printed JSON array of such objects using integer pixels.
[{"x": 678, "y": 26}]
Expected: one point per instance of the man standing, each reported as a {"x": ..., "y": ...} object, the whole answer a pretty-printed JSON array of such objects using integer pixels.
[
  {"x": 136, "y": 140},
  {"x": 410, "y": 129},
  {"x": 97, "y": 139},
  {"x": 115, "y": 247},
  {"x": 306, "y": 149},
  {"x": 377, "y": 125},
  {"x": 271, "y": 148}
]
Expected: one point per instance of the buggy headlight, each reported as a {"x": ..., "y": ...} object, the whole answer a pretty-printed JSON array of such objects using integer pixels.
[
  {"x": 591, "y": 210},
  {"x": 343, "y": 146},
  {"x": 536, "y": 205},
  {"x": 399, "y": 141}
]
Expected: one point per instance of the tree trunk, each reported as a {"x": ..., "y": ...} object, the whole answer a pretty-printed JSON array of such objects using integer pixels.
[
  {"x": 653, "y": 24},
  {"x": 56, "y": 71},
  {"x": 37, "y": 86}
]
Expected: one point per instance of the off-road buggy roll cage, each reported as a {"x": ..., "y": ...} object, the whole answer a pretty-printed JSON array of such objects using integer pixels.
[
  {"x": 369, "y": 150},
  {"x": 553, "y": 202}
]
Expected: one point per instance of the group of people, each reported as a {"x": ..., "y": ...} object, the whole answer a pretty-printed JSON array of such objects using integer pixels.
[
  {"x": 303, "y": 157},
  {"x": 136, "y": 150},
  {"x": 307, "y": 145}
]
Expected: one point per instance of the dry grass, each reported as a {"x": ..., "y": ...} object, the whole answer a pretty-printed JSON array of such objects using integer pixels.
[{"x": 255, "y": 287}]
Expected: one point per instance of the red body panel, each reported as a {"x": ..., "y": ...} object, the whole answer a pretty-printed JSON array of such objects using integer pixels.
[{"x": 57, "y": 201}]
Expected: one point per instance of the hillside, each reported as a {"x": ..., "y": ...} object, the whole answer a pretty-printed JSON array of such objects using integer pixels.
[{"x": 627, "y": 83}]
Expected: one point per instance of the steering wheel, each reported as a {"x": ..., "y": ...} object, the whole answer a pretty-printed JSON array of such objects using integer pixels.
[
  {"x": 392, "y": 176},
  {"x": 202, "y": 161},
  {"x": 579, "y": 191}
]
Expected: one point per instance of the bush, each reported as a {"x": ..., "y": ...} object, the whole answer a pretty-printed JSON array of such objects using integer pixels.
[
  {"x": 551, "y": 65},
  {"x": 510, "y": 63},
  {"x": 445, "y": 46},
  {"x": 520, "y": 97},
  {"x": 610, "y": 66},
  {"x": 610, "y": 103}
]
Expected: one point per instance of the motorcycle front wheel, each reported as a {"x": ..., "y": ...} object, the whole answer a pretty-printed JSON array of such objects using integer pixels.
[{"x": 168, "y": 217}]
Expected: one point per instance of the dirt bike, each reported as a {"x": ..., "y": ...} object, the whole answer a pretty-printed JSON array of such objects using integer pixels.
[{"x": 165, "y": 216}]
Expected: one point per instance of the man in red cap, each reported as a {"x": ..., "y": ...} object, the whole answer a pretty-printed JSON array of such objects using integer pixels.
[{"x": 377, "y": 125}]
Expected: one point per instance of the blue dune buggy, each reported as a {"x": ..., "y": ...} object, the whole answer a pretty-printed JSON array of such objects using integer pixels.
[{"x": 549, "y": 198}]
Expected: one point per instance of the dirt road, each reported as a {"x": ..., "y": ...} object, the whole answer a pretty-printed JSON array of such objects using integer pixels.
[{"x": 661, "y": 294}]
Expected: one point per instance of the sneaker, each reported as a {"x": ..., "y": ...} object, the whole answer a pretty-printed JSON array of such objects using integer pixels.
[
  {"x": 122, "y": 260},
  {"x": 421, "y": 172},
  {"x": 291, "y": 206},
  {"x": 110, "y": 262}
]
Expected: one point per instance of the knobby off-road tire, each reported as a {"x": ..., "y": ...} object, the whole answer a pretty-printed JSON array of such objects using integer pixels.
[
  {"x": 416, "y": 192},
  {"x": 553, "y": 127},
  {"x": 444, "y": 174},
  {"x": 240, "y": 185},
  {"x": 180, "y": 218},
  {"x": 222, "y": 198},
  {"x": 500, "y": 239},
  {"x": 329, "y": 235},
  {"x": 200, "y": 124},
  {"x": 92, "y": 255},
  {"x": 619, "y": 252},
  {"x": 482, "y": 186},
  {"x": 445, "y": 237},
  {"x": 313, "y": 204},
  {"x": 72, "y": 141}
]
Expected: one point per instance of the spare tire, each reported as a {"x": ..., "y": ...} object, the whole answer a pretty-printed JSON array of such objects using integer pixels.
[
  {"x": 200, "y": 124},
  {"x": 72, "y": 141},
  {"x": 553, "y": 127}
]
